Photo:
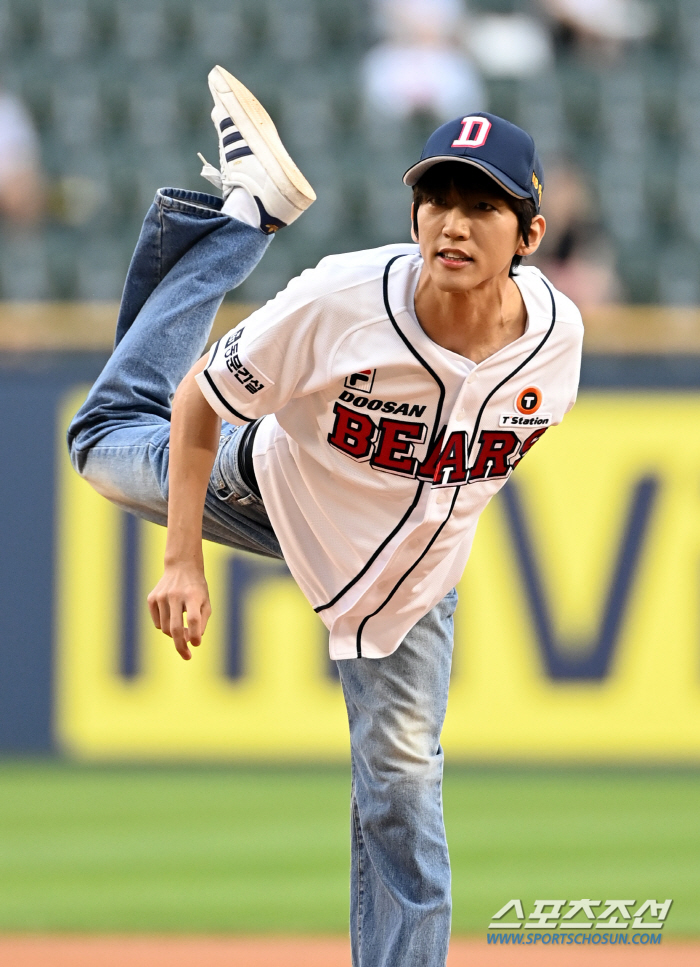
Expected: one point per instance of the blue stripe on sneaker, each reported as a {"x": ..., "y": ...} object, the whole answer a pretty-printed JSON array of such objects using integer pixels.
[
  {"x": 238, "y": 153},
  {"x": 226, "y": 123},
  {"x": 232, "y": 138}
]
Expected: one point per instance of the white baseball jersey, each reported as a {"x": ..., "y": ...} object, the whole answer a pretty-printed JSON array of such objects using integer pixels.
[{"x": 379, "y": 448}]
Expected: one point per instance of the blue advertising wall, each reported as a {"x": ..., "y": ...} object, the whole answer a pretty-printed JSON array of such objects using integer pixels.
[
  {"x": 32, "y": 388},
  {"x": 576, "y": 638}
]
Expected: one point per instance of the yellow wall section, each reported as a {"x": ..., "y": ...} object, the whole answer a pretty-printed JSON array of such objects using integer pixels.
[{"x": 575, "y": 487}]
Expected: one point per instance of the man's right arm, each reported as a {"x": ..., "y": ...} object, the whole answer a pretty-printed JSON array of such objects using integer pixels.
[{"x": 194, "y": 439}]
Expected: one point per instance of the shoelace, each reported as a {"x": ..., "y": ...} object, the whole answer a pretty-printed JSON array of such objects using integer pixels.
[{"x": 210, "y": 173}]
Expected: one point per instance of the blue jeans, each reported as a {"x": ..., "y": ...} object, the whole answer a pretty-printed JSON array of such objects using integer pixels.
[{"x": 186, "y": 259}]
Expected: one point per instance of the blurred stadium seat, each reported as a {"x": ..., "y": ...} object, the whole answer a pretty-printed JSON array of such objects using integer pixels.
[{"x": 117, "y": 89}]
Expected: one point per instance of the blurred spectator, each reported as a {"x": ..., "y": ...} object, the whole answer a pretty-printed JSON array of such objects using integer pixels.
[
  {"x": 21, "y": 183},
  {"x": 509, "y": 45},
  {"x": 604, "y": 24},
  {"x": 419, "y": 68},
  {"x": 575, "y": 252}
]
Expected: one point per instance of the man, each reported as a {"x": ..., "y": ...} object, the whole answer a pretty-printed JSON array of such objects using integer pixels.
[{"x": 371, "y": 411}]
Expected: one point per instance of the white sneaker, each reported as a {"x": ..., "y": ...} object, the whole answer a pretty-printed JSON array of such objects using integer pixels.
[{"x": 252, "y": 155}]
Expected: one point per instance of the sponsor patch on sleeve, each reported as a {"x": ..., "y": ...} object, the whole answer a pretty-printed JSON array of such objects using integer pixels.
[
  {"x": 236, "y": 367},
  {"x": 518, "y": 419}
]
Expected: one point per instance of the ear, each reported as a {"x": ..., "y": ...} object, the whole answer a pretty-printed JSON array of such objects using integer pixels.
[
  {"x": 537, "y": 230},
  {"x": 414, "y": 234}
]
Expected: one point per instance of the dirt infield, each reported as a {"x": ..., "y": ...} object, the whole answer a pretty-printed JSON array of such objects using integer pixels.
[{"x": 252, "y": 952}]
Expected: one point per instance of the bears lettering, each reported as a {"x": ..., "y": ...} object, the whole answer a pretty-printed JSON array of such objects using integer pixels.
[
  {"x": 390, "y": 446},
  {"x": 396, "y": 445},
  {"x": 353, "y": 433},
  {"x": 495, "y": 446}
]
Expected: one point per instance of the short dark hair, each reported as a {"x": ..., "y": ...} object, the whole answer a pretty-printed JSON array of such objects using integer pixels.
[{"x": 456, "y": 176}]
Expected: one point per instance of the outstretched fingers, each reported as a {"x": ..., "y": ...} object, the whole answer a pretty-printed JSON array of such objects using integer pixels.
[{"x": 182, "y": 615}]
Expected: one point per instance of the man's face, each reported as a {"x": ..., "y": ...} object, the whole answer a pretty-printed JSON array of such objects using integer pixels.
[{"x": 467, "y": 238}]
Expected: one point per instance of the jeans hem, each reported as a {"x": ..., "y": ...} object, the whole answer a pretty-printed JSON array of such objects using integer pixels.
[{"x": 190, "y": 202}]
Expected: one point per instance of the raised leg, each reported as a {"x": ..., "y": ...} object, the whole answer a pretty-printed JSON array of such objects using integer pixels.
[
  {"x": 193, "y": 249},
  {"x": 188, "y": 256}
]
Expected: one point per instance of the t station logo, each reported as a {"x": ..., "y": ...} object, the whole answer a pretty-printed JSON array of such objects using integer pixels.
[
  {"x": 527, "y": 405},
  {"x": 529, "y": 400}
]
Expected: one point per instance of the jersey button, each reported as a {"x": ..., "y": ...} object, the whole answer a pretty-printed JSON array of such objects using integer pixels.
[
  {"x": 441, "y": 497},
  {"x": 461, "y": 415}
]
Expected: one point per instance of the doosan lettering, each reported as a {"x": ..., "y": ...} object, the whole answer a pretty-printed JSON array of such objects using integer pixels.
[{"x": 389, "y": 407}]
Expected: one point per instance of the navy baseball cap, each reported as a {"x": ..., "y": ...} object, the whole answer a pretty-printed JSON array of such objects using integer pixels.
[{"x": 499, "y": 148}]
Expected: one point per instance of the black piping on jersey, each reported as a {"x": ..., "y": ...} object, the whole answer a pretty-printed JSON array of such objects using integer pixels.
[
  {"x": 246, "y": 419},
  {"x": 412, "y": 349},
  {"x": 403, "y": 577},
  {"x": 372, "y": 559},
  {"x": 514, "y": 373},
  {"x": 436, "y": 424},
  {"x": 457, "y": 490}
]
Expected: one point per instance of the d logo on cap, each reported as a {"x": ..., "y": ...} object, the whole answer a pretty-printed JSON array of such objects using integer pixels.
[{"x": 465, "y": 139}]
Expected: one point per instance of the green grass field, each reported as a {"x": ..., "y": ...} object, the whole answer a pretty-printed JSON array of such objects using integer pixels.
[{"x": 244, "y": 850}]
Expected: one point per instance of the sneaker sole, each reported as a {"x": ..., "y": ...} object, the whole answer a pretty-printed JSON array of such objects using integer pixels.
[{"x": 258, "y": 129}]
